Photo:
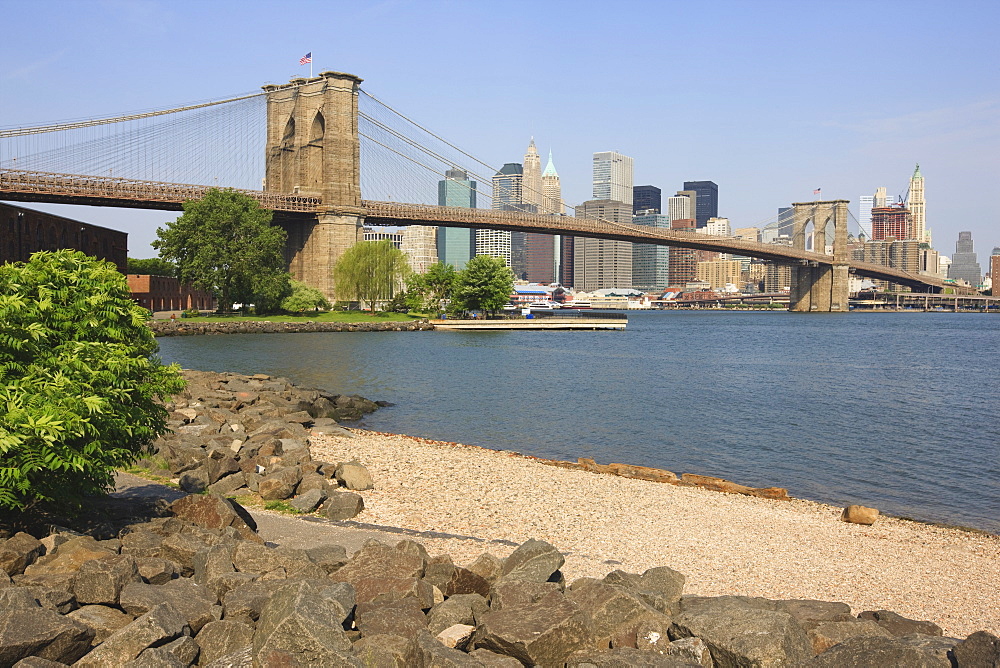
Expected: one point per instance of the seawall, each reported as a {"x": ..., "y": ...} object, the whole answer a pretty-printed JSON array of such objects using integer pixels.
[{"x": 182, "y": 328}]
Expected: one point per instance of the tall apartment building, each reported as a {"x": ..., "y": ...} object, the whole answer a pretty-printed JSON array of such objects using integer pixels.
[
  {"x": 602, "y": 263},
  {"x": 890, "y": 252},
  {"x": 646, "y": 198},
  {"x": 651, "y": 262},
  {"x": 995, "y": 269},
  {"x": 718, "y": 273},
  {"x": 964, "y": 263},
  {"x": 717, "y": 227},
  {"x": 681, "y": 206},
  {"x": 892, "y": 222},
  {"x": 613, "y": 177},
  {"x": 915, "y": 203},
  {"x": 683, "y": 263},
  {"x": 707, "y": 203},
  {"x": 456, "y": 245}
]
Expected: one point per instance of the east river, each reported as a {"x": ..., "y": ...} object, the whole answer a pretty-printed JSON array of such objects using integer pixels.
[{"x": 900, "y": 411}]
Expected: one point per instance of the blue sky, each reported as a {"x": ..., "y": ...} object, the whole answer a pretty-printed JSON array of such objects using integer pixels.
[{"x": 769, "y": 99}]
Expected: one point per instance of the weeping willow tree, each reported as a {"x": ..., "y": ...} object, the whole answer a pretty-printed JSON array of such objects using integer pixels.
[{"x": 370, "y": 271}]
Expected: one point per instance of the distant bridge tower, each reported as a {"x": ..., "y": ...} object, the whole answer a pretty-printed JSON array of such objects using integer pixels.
[
  {"x": 313, "y": 150},
  {"x": 820, "y": 287}
]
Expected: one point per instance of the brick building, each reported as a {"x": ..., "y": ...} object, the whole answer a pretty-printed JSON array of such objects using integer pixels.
[
  {"x": 165, "y": 293},
  {"x": 26, "y": 231}
]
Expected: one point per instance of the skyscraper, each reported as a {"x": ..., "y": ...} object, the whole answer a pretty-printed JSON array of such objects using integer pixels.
[
  {"x": 602, "y": 263},
  {"x": 964, "y": 264},
  {"x": 507, "y": 196},
  {"x": 995, "y": 269},
  {"x": 552, "y": 203},
  {"x": 915, "y": 203},
  {"x": 613, "y": 177},
  {"x": 681, "y": 206},
  {"x": 646, "y": 198},
  {"x": 881, "y": 200},
  {"x": 551, "y": 190},
  {"x": 683, "y": 261},
  {"x": 707, "y": 204},
  {"x": 456, "y": 245},
  {"x": 532, "y": 180},
  {"x": 651, "y": 262},
  {"x": 865, "y": 205},
  {"x": 892, "y": 222}
]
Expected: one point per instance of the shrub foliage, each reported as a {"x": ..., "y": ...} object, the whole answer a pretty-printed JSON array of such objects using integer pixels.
[{"x": 79, "y": 379}]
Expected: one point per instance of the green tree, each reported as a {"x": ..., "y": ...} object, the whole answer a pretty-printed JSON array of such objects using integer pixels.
[
  {"x": 485, "y": 284},
  {"x": 430, "y": 288},
  {"x": 304, "y": 298},
  {"x": 370, "y": 271},
  {"x": 224, "y": 243},
  {"x": 79, "y": 379},
  {"x": 153, "y": 266}
]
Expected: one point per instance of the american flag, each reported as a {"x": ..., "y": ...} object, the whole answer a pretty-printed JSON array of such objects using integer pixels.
[
  {"x": 308, "y": 58},
  {"x": 817, "y": 191}
]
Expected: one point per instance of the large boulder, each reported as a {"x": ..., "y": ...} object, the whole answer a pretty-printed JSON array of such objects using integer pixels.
[
  {"x": 342, "y": 506},
  {"x": 743, "y": 632},
  {"x": 460, "y": 609},
  {"x": 159, "y": 626},
  {"x": 100, "y": 581},
  {"x": 825, "y": 635},
  {"x": 867, "y": 651},
  {"x": 425, "y": 651},
  {"x": 614, "y": 611},
  {"x": 104, "y": 620},
  {"x": 982, "y": 648},
  {"x": 354, "y": 476},
  {"x": 376, "y": 559},
  {"x": 217, "y": 639},
  {"x": 384, "y": 651},
  {"x": 898, "y": 625},
  {"x": 302, "y": 626},
  {"x": 660, "y": 587},
  {"x": 193, "y": 601},
  {"x": 534, "y": 560},
  {"x": 68, "y": 557},
  {"x": 18, "y": 552},
  {"x": 42, "y": 633},
  {"x": 545, "y": 633},
  {"x": 216, "y": 512},
  {"x": 402, "y": 618}
]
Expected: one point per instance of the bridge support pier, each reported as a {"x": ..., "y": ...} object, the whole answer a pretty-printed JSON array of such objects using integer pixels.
[
  {"x": 820, "y": 287},
  {"x": 313, "y": 150}
]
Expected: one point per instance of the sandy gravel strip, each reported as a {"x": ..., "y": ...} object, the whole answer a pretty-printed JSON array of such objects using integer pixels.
[{"x": 724, "y": 543}]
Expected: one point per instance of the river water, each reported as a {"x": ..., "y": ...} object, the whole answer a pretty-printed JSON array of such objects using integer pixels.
[{"x": 900, "y": 411}]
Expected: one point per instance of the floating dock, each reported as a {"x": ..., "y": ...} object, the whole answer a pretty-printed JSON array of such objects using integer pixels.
[{"x": 533, "y": 324}]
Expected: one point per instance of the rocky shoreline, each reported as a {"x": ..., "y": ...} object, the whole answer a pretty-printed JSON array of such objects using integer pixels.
[
  {"x": 199, "y": 586},
  {"x": 182, "y": 328}
]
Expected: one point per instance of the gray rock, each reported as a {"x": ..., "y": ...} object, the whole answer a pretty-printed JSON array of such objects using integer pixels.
[
  {"x": 688, "y": 649},
  {"x": 58, "y": 599},
  {"x": 489, "y": 659},
  {"x": 898, "y": 625},
  {"x": 614, "y": 611},
  {"x": 809, "y": 613},
  {"x": 982, "y": 648},
  {"x": 402, "y": 618},
  {"x": 383, "y": 651},
  {"x": 624, "y": 658},
  {"x": 425, "y": 651},
  {"x": 225, "y": 583},
  {"x": 740, "y": 632},
  {"x": 299, "y": 622},
  {"x": 213, "y": 562},
  {"x": 660, "y": 587},
  {"x": 229, "y": 485},
  {"x": 37, "y": 662},
  {"x": 376, "y": 559},
  {"x": 17, "y": 598},
  {"x": 157, "y": 571},
  {"x": 100, "y": 581},
  {"x": 534, "y": 560},
  {"x": 309, "y": 501},
  {"x": 193, "y": 601},
  {"x": 142, "y": 543},
  {"x": 241, "y": 658},
  {"x": 388, "y": 589},
  {"x": 487, "y": 566},
  {"x": 518, "y": 594},
  {"x": 545, "y": 633},
  {"x": 220, "y": 465},
  {"x": 342, "y": 506},
  {"x": 462, "y": 609},
  {"x": 180, "y": 548},
  {"x": 158, "y": 626},
  {"x": 215, "y": 512},
  {"x": 354, "y": 476},
  {"x": 219, "y": 639},
  {"x": 328, "y": 557},
  {"x": 102, "y": 619},
  {"x": 44, "y": 633},
  {"x": 825, "y": 635},
  {"x": 194, "y": 481},
  {"x": 155, "y": 657},
  {"x": 864, "y": 652},
  {"x": 18, "y": 552}
]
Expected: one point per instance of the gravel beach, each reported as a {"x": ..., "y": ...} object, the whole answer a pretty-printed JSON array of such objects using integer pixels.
[{"x": 466, "y": 500}]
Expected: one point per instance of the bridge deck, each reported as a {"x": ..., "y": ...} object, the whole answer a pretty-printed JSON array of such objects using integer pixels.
[{"x": 31, "y": 186}]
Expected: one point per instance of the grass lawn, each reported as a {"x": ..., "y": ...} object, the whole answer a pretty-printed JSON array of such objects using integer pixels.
[{"x": 332, "y": 316}]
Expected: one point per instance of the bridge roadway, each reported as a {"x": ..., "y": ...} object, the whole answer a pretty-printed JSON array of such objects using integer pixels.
[{"x": 31, "y": 186}]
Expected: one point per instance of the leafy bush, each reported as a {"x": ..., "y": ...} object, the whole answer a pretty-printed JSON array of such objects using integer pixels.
[
  {"x": 304, "y": 298},
  {"x": 78, "y": 379},
  {"x": 190, "y": 313}
]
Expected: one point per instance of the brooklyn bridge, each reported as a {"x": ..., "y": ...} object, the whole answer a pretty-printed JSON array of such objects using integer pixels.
[{"x": 317, "y": 148}]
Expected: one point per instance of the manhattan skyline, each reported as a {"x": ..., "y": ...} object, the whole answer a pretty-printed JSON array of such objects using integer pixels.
[{"x": 778, "y": 99}]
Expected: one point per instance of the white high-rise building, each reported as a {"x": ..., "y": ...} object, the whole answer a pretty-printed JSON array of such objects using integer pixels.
[
  {"x": 915, "y": 203},
  {"x": 531, "y": 184},
  {"x": 717, "y": 227},
  {"x": 679, "y": 208},
  {"x": 865, "y": 204},
  {"x": 880, "y": 201},
  {"x": 613, "y": 177}
]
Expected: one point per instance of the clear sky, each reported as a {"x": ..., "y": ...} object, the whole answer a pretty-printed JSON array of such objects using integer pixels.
[{"x": 770, "y": 99}]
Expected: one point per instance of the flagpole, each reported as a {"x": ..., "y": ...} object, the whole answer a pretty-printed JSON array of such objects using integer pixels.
[{"x": 310, "y": 65}]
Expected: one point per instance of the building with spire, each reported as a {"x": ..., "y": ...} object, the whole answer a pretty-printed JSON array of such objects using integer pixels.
[
  {"x": 915, "y": 203},
  {"x": 532, "y": 178},
  {"x": 552, "y": 201}
]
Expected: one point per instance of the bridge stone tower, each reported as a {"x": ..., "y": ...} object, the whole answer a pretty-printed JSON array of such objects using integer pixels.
[
  {"x": 313, "y": 150},
  {"x": 820, "y": 287}
]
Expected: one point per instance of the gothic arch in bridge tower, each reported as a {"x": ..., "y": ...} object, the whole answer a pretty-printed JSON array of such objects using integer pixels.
[
  {"x": 312, "y": 150},
  {"x": 815, "y": 286}
]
